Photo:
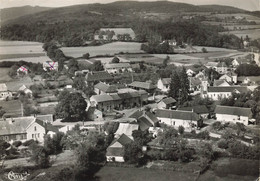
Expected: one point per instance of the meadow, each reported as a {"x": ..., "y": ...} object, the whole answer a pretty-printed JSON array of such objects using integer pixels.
[
  {"x": 107, "y": 49},
  {"x": 22, "y": 50},
  {"x": 4, "y": 77}
]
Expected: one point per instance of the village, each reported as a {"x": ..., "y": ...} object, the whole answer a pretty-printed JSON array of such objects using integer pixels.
[{"x": 78, "y": 113}]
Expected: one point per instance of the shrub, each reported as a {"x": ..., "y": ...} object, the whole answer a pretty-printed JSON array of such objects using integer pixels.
[
  {"x": 28, "y": 143},
  {"x": 181, "y": 129},
  {"x": 223, "y": 144},
  {"x": 203, "y": 135},
  {"x": 17, "y": 143}
]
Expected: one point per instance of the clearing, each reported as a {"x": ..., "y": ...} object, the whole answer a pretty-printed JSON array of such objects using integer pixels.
[{"x": 107, "y": 49}]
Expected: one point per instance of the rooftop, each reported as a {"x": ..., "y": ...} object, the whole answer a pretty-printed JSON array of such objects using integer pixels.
[
  {"x": 227, "y": 89},
  {"x": 200, "y": 109},
  {"x": 169, "y": 100},
  {"x": 116, "y": 65},
  {"x": 98, "y": 76},
  {"x": 3, "y": 87},
  {"x": 166, "y": 81},
  {"x": 106, "y": 88},
  {"x": 143, "y": 85},
  {"x": 126, "y": 128},
  {"x": 176, "y": 114},
  {"x": 229, "y": 110}
]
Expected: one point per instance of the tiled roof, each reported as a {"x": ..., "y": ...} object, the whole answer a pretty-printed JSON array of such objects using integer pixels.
[
  {"x": 115, "y": 97},
  {"x": 98, "y": 76},
  {"x": 117, "y": 65},
  {"x": 118, "y": 151},
  {"x": 136, "y": 114},
  {"x": 173, "y": 114},
  {"x": 144, "y": 123},
  {"x": 152, "y": 117},
  {"x": 219, "y": 82},
  {"x": 3, "y": 87},
  {"x": 194, "y": 81},
  {"x": 46, "y": 117},
  {"x": 102, "y": 98},
  {"x": 227, "y": 89},
  {"x": 169, "y": 100},
  {"x": 197, "y": 109},
  {"x": 126, "y": 128},
  {"x": 166, "y": 81},
  {"x": 106, "y": 88},
  {"x": 143, "y": 85},
  {"x": 18, "y": 125},
  {"x": 229, "y": 110}
]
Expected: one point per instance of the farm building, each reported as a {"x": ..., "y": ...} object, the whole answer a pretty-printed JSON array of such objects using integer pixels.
[
  {"x": 220, "y": 83},
  {"x": 222, "y": 68},
  {"x": 95, "y": 77},
  {"x": 164, "y": 84},
  {"x": 116, "y": 68},
  {"x": 125, "y": 34},
  {"x": 176, "y": 118},
  {"x": 234, "y": 114},
  {"x": 115, "y": 151},
  {"x": 127, "y": 129},
  {"x": 4, "y": 92},
  {"x": 230, "y": 77},
  {"x": 102, "y": 88},
  {"x": 147, "y": 86},
  {"x": 201, "y": 110},
  {"x": 26, "y": 90},
  {"x": 166, "y": 103}
]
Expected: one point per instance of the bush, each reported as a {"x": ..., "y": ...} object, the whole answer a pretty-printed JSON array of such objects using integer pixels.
[
  {"x": 223, "y": 144},
  {"x": 28, "y": 143},
  {"x": 181, "y": 129},
  {"x": 203, "y": 135},
  {"x": 17, "y": 143}
]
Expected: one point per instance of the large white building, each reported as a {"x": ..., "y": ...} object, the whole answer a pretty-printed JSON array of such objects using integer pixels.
[
  {"x": 176, "y": 118},
  {"x": 116, "y": 68},
  {"x": 234, "y": 114}
]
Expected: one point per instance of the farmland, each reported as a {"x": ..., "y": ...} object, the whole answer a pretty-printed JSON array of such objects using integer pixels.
[
  {"x": 22, "y": 50},
  {"x": 4, "y": 77},
  {"x": 107, "y": 49}
]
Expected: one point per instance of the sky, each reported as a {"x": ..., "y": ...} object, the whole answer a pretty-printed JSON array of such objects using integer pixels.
[{"x": 251, "y": 5}]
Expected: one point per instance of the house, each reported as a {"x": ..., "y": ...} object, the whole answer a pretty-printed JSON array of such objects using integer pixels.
[
  {"x": 127, "y": 129},
  {"x": 212, "y": 65},
  {"x": 221, "y": 83},
  {"x": 190, "y": 72},
  {"x": 25, "y": 90},
  {"x": 115, "y": 151},
  {"x": 22, "y": 70},
  {"x": 105, "y": 102},
  {"x": 102, "y": 88},
  {"x": 235, "y": 63},
  {"x": 176, "y": 118},
  {"x": 25, "y": 128},
  {"x": 125, "y": 34},
  {"x": 4, "y": 92},
  {"x": 145, "y": 119},
  {"x": 233, "y": 114},
  {"x": 222, "y": 68},
  {"x": 201, "y": 110},
  {"x": 166, "y": 103},
  {"x": 230, "y": 77},
  {"x": 218, "y": 93},
  {"x": 195, "y": 83},
  {"x": 38, "y": 129},
  {"x": 99, "y": 76},
  {"x": 147, "y": 86},
  {"x": 116, "y": 68},
  {"x": 50, "y": 65},
  {"x": 200, "y": 75},
  {"x": 164, "y": 84}
]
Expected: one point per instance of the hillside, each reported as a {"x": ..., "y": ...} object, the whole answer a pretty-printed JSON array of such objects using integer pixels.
[
  {"x": 16, "y": 12},
  {"x": 222, "y": 9}
]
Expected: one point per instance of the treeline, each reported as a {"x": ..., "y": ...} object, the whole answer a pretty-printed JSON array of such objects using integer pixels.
[{"x": 248, "y": 70}]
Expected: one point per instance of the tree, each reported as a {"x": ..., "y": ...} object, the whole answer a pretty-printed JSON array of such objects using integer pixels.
[
  {"x": 97, "y": 66},
  {"x": 110, "y": 127},
  {"x": 2, "y": 111},
  {"x": 175, "y": 87},
  {"x": 39, "y": 155},
  {"x": 204, "y": 50},
  {"x": 115, "y": 60},
  {"x": 132, "y": 153},
  {"x": 185, "y": 85},
  {"x": 86, "y": 55},
  {"x": 181, "y": 129},
  {"x": 71, "y": 106},
  {"x": 79, "y": 83},
  {"x": 165, "y": 61}
]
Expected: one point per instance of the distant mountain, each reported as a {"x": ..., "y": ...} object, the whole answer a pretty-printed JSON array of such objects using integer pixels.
[
  {"x": 222, "y": 9},
  {"x": 16, "y": 12}
]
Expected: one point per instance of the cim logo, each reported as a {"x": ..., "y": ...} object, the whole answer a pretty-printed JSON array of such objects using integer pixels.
[{"x": 17, "y": 176}]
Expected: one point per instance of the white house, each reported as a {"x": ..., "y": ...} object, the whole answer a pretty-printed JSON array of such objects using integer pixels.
[
  {"x": 233, "y": 114},
  {"x": 116, "y": 68},
  {"x": 235, "y": 63},
  {"x": 176, "y": 118},
  {"x": 222, "y": 68},
  {"x": 230, "y": 77},
  {"x": 217, "y": 93},
  {"x": 4, "y": 92},
  {"x": 115, "y": 151},
  {"x": 164, "y": 84},
  {"x": 190, "y": 72},
  {"x": 102, "y": 88},
  {"x": 127, "y": 129},
  {"x": 23, "y": 69},
  {"x": 26, "y": 90}
]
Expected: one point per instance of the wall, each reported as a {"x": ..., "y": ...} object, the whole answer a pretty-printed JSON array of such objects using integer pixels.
[
  {"x": 177, "y": 122},
  {"x": 37, "y": 134},
  {"x": 232, "y": 118}
]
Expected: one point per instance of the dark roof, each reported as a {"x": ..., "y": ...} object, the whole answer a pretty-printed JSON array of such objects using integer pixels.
[
  {"x": 197, "y": 109},
  {"x": 136, "y": 114},
  {"x": 124, "y": 140},
  {"x": 114, "y": 151},
  {"x": 46, "y": 117},
  {"x": 184, "y": 115},
  {"x": 239, "y": 111},
  {"x": 194, "y": 81},
  {"x": 142, "y": 85},
  {"x": 219, "y": 82},
  {"x": 98, "y": 76},
  {"x": 106, "y": 88},
  {"x": 47, "y": 126},
  {"x": 152, "y": 117},
  {"x": 166, "y": 81},
  {"x": 227, "y": 89},
  {"x": 222, "y": 64},
  {"x": 169, "y": 100},
  {"x": 102, "y": 98},
  {"x": 144, "y": 123}
]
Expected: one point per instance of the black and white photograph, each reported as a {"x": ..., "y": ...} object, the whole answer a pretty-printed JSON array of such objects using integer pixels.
[{"x": 129, "y": 90}]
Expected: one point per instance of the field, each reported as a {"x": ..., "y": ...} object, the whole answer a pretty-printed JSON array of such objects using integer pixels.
[
  {"x": 254, "y": 34},
  {"x": 107, "y": 49},
  {"x": 138, "y": 174},
  {"x": 22, "y": 50},
  {"x": 4, "y": 77},
  {"x": 15, "y": 84},
  {"x": 12, "y": 106}
]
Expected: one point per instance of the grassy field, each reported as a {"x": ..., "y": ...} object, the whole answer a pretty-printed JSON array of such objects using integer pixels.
[
  {"x": 138, "y": 174},
  {"x": 12, "y": 106},
  {"x": 4, "y": 77},
  {"x": 107, "y": 49},
  {"x": 22, "y": 50},
  {"x": 15, "y": 84},
  {"x": 253, "y": 34}
]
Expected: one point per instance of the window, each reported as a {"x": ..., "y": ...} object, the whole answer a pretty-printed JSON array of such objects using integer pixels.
[
  {"x": 38, "y": 135},
  {"x": 35, "y": 129},
  {"x": 32, "y": 135}
]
